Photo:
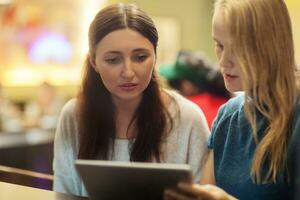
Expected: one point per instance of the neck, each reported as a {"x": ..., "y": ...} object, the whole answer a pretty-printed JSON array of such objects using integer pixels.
[
  {"x": 125, "y": 111},
  {"x": 127, "y": 108}
]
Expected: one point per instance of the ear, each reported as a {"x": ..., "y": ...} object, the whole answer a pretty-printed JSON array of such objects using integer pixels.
[
  {"x": 155, "y": 62},
  {"x": 92, "y": 62}
]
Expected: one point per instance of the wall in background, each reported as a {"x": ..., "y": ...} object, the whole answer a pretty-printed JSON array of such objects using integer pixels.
[
  {"x": 193, "y": 16},
  {"x": 294, "y": 7}
]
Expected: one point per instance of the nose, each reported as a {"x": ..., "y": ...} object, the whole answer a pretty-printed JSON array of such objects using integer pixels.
[
  {"x": 128, "y": 72},
  {"x": 226, "y": 59}
]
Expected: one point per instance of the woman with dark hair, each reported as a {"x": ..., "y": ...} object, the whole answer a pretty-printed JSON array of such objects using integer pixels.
[{"x": 121, "y": 112}]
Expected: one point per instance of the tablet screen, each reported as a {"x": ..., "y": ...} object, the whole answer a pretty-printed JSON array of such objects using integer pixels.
[{"x": 111, "y": 180}]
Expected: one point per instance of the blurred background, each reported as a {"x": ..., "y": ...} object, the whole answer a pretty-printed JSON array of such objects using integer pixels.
[{"x": 43, "y": 44}]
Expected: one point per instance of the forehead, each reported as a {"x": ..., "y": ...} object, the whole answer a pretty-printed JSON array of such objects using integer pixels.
[
  {"x": 218, "y": 24},
  {"x": 124, "y": 40}
]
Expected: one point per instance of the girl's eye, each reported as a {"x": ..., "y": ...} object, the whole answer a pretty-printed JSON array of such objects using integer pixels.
[
  {"x": 219, "y": 46},
  {"x": 140, "y": 58}
]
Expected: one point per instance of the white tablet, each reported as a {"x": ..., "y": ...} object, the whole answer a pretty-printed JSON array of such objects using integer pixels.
[{"x": 113, "y": 180}]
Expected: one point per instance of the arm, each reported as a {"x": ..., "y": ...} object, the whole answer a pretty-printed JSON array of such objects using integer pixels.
[
  {"x": 198, "y": 150},
  {"x": 208, "y": 175},
  {"x": 66, "y": 179},
  {"x": 62, "y": 176}
]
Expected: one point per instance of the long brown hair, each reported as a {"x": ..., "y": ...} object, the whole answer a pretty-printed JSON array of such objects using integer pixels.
[
  {"x": 263, "y": 44},
  {"x": 95, "y": 108}
]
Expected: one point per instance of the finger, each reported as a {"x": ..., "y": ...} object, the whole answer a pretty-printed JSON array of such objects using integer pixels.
[
  {"x": 177, "y": 196},
  {"x": 207, "y": 192},
  {"x": 190, "y": 188},
  {"x": 204, "y": 191}
]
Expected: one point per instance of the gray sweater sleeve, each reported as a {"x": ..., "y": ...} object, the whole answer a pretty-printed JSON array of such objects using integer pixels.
[
  {"x": 198, "y": 151},
  {"x": 187, "y": 142},
  {"x": 66, "y": 178}
]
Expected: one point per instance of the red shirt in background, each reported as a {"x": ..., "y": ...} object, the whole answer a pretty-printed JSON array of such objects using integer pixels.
[{"x": 209, "y": 104}]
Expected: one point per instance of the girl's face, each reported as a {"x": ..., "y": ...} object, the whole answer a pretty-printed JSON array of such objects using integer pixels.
[
  {"x": 125, "y": 60},
  {"x": 227, "y": 60}
]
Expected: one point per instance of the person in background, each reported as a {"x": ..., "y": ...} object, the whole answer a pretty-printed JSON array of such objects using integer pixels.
[
  {"x": 121, "y": 112},
  {"x": 43, "y": 112},
  {"x": 10, "y": 115},
  {"x": 196, "y": 79},
  {"x": 255, "y": 138}
]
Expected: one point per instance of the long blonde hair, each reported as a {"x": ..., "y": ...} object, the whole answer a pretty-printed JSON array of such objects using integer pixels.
[{"x": 261, "y": 38}]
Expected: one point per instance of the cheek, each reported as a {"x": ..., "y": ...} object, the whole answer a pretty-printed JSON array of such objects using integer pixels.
[
  {"x": 218, "y": 53},
  {"x": 146, "y": 69},
  {"x": 150, "y": 72},
  {"x": 108, "y": 76}
]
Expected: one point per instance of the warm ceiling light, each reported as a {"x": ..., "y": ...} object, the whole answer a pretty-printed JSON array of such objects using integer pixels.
[{"x": 5, "y": 1}]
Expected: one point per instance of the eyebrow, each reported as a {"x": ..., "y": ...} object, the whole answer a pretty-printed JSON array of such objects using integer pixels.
[
  {"x": 112, "y": 52},
  {"x": 134, "y": 50},
  {"x": 141, "y": 49}
]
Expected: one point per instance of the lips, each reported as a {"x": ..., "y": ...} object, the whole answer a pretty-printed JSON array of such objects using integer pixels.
[
  {"x": 128, "y": 86},
  {"x": 230, "y": 77}
]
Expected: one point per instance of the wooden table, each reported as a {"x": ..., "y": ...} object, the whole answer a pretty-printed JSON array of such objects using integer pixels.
[{"x": 11, "y": 191}]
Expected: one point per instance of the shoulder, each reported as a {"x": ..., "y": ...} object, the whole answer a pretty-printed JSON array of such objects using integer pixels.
[
  {"x": 230, "y": 119},
  {"x": 69, "y": 110},
  {"x": 67, "y": 118},
  {"x": 69, "y": 107},
  {"x": 66, "y": 131},
  {"x": 233, "y": 107}
]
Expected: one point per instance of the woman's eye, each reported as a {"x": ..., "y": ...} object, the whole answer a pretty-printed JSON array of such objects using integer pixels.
[
  {"x": 113, "y": 60},
  {"x": 140, "y": 58},
  {"x": 219, "y": 46}
]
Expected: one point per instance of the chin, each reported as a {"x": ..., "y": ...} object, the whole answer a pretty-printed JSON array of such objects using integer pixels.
[
  {"x": 128, "y": 97},
  {"x": 233, "y": 89}
]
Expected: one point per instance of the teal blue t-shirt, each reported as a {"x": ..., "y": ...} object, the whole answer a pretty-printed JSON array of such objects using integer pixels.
[{"x": 234, "y": 147}]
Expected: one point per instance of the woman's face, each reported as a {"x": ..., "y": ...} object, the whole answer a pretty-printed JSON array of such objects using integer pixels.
[
  {"x": 125, "y": 60},
  {"x": 227, "y": 60}
]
